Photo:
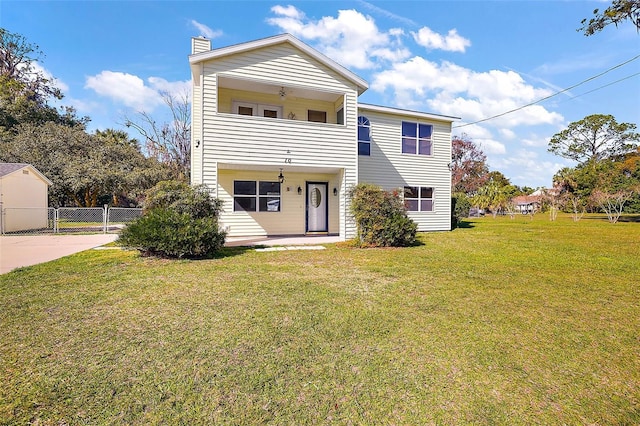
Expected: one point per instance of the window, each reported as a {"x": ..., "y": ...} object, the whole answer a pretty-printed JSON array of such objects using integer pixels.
[
  {"x": 317, "y": 116},
  {"x": 251, "y": 196},
  {"x": 255, "y": 109},
  {"x": 418, "y": 198},
  {"x": 340, "y": 116},
  {"x": 364, "y": 136},
  {"x": 416, "y": 138}
]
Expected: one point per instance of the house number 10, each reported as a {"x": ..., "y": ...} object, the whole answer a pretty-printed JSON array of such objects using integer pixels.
[{"x": 287, "y": 160}]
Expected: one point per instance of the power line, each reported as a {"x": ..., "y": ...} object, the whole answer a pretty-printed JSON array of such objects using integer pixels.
[
  {"x": 602, "y": 87},
  {"x": 553, "y": 94}
]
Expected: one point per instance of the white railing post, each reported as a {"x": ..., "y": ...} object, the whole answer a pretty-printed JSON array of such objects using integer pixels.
[{"x": 104, "y": 218}]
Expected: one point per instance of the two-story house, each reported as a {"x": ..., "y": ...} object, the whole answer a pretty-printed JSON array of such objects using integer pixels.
[{"x": 279, "y": 136}]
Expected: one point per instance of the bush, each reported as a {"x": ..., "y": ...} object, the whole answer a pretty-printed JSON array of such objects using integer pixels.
[
  {"x": 168, "y": 233},
  {"x": 178, "y": 221},
  {"x": 183, "y": 198},
  {"x": 460, "y": 206},
  {"x": 381, "y": 217}
]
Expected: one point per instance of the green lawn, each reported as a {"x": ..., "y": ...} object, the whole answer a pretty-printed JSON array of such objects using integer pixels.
[{"x": 501, "y": 322}]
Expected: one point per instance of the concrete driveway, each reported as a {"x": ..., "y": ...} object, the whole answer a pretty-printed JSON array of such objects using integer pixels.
[{"x": 17, "y": 251}]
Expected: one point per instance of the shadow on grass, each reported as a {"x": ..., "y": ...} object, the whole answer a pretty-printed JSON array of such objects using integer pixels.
[
  {"x": 628, "y": 218},
  {"x": 229, "y": 252},
  {"x": 463, "y": 224}
]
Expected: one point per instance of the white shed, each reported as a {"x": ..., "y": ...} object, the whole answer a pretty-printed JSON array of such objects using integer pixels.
[{"x": 24, "y": 198}]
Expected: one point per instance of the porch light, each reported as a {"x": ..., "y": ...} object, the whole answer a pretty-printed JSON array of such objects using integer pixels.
[
  {"x": 299, "y": 190},
  {"x": 335, "y": 192},
  {"x": 280, "y": 177},
  {"x": 282, "y": 93}
]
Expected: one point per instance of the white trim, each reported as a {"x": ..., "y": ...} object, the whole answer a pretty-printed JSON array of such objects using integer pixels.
[
  {"x": 406, "y": 112},
  {"x": 257, "y": 108}
]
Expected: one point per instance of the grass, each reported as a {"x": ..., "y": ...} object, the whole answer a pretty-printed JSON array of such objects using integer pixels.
[{"x": 501, "y": 322}]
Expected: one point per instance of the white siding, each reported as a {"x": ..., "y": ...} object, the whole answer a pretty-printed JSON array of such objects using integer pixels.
[
  {"x": 24, "y": 197},
  {"x": 256, "y": 144},
  {"x": 291, "y": 219},
  {"x": 390, "y": 169},
  {"x": 284, "y": 65},
  {"x": 196, "y": 126}
]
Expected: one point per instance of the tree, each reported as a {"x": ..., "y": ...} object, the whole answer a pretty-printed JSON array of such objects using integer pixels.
[
  {"x": 618, "y": 12},
  {"x": 17, "y": 58},
  {"x": 169, "y": 143},
  {"x": 495, "y": 194},
  {"x": 469, "y": 170},
  {"x": 84, "y": 168},
  {"x": 25, "y": 88},
  {"x": 615, "y": 187},
  {"x": 594, "y": 138}
]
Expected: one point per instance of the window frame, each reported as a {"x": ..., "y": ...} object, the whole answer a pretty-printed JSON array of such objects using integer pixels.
[
  {"x": 419, "y": 198},
  {"x": 364, "y": 123},
  {"x": 258, "y": 196},
  {"x": 257, "y": 108},
  {"x": 319, "y": 112},
  {"x": 416, "y": 138}
]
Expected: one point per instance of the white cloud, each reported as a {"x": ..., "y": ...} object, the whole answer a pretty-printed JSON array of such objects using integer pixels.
[
  {"x": 388, "y": 14},
  {"x": 525, "y": 167},
  {"x": 454, "y": 90},
  {"x": 132, "y": 91},
  {"x": 352, "y": 39},
  {"x": 536, "y": 141},
  {"x": 204, "y": 30},
  {"x": 507, "y": 133},
  {"x": 47, "y": 74},
  {"x": 491, "y": 146},
  {"x": 452, "y": 42}
]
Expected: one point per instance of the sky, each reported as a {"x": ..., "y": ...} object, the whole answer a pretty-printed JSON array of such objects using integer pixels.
[{"x": 477, "y": 60}]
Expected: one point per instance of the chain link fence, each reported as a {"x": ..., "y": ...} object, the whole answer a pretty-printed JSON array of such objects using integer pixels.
[{"x": 22, "y": 221}]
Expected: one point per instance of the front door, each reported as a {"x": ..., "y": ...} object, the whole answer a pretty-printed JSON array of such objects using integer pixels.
[{"x": 317, "y": 207}]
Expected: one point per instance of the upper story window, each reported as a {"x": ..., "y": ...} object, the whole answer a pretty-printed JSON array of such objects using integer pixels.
[
  {"x": 364, "y": 136},
  {"x": 418, "y": 198},
  {"x": 258, "y": 110},
  {"x": 251, "y": 196},
  {"x": 317, "y": 116},
  {"x": 416, "y": 138}
]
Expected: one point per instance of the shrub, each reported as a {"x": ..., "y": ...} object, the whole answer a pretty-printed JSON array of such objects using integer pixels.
[
  {"x": 183, "y": 198},
  {"x": 178, "y": 221},
  {"x": 168, "y": 233},
  {"x": 460, "y": 206},
  {"x": 381, "y": 217}
]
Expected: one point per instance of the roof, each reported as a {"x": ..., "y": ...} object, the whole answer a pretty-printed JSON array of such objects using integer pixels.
[
  {"x": 279, "y": 39},
  {"x": 526, "y": 199},
  {"x": 8, "y": 168},
  {"x": 399, "y": 111}
]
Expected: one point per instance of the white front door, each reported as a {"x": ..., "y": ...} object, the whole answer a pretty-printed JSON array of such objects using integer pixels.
[{"x": 317, "y": 207}]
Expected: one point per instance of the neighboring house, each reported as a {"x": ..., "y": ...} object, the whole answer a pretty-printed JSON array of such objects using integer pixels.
[
  {"x": 23, "y": 198},
  {"x": 532, "y": 203},
  {"x": 526, "y": 204},
  {"x": 279, "y": 136}
]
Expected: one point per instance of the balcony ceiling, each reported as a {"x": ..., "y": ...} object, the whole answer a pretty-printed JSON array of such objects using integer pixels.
[{"x": 274, "y": 89}]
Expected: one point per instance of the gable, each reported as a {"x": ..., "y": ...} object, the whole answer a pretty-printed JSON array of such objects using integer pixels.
[
  {"x": 7, "y": 169},
  {"x": 284, "y": 58}
]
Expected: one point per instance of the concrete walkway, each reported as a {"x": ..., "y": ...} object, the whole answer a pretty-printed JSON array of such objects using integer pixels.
[
  {"x": 289, "y": 240},
  {"x": 26, "y": 250}
]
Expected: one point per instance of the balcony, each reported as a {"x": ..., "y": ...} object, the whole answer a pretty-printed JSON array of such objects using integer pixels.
[{"x": 280, "y": 102}]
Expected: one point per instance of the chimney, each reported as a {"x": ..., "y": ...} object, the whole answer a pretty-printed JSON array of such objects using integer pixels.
[{"x": 200, "y": 44}]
